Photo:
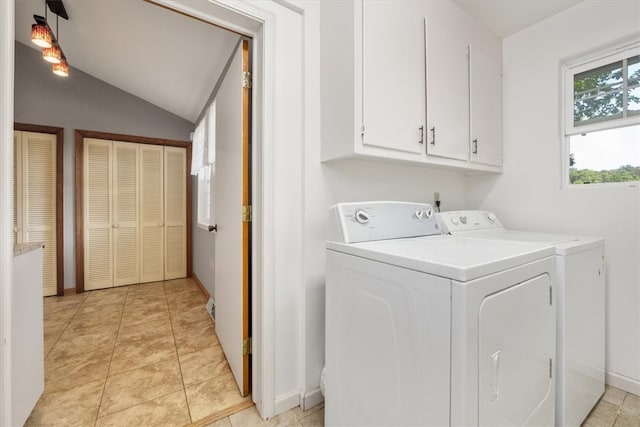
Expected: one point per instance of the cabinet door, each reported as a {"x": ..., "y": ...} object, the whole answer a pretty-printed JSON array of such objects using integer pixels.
[
  {"x": 175, "y": 213},
  {"x": 447, "y": 83},
  {"x": 17, "y": 187},
  {"x": 486, "y": 108},
  {"x": 125, "y": 214},
  {"x": 39, "y": 200},
  {"x": 393, "y": 104},
  {"x": 151, "y": 214},
  {"x": 98, "y": 238}
]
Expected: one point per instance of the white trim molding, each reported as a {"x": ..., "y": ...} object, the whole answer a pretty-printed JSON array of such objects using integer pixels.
[
  {"x": 7, "y": 22},
  {"x": 630, "y": 385}
]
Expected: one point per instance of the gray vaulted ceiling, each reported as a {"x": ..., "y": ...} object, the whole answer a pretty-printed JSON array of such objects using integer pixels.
[{"x": 163, "y": 57}]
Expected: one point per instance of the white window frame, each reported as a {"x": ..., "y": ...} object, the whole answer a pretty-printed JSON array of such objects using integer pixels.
[
  {"x": 206, "y": 171},
  {"x": 569, "y": 69},
  {"x": 205, "y": 183}
]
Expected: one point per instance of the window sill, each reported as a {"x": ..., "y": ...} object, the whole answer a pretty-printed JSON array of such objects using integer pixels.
[{"x": 602, "y": 185}]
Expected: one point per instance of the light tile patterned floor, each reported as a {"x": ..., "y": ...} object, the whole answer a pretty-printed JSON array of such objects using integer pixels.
[
  {"x": 143, "y": 355},
  {"x": 615, "y": 408}
]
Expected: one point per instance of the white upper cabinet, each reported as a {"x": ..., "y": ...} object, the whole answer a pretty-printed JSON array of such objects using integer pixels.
[
  {"x": 486, "y": 108},
  {"x": 464, "y": 89},
  {"x": 399, "y": 82},
  {"x": 447, "y": 84},
  {"x": 393, "y": 104},
  {"x": 372, "y": 79}
]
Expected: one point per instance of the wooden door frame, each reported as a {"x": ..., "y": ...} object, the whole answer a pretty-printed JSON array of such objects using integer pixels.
[
  {"x": 80, "y": 135},
  {"x": 59, "y": 133},
  {"x": 246, "y": 226}
]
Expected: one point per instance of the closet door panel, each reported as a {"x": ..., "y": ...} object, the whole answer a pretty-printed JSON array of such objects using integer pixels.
[
  {"x": 38, "y": 202},
  {"x": 125, "y": 214},
  {"x": 98, "y": 220},
  {"x": 17, "y": 187},
  {"x": 151, "y": 213},
  {"x": 175, "y": 160}
]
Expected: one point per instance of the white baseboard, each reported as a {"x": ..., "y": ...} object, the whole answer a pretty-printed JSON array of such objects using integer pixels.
[
  {"x": 630, "y": 385},
  {"x": 286, "y": 401},
  {"x": 312, "y": 398}
]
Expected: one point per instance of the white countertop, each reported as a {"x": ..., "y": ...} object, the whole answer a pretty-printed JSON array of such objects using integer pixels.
[{"x": 23, "y": 248}]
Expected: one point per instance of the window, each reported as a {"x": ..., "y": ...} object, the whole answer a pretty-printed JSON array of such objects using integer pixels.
[
  {"x": 204, "y": 196},
  {"x": 203, "y": 165},
  {"x": 602, "y": 117}
]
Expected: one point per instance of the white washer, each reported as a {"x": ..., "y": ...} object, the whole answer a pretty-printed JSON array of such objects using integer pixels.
[
  {"x": 432, "y": 330},
  {"x": 580, "y": 303}
]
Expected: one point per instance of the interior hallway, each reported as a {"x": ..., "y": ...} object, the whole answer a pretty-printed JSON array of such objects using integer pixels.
[{"x": 138, "y": 355}]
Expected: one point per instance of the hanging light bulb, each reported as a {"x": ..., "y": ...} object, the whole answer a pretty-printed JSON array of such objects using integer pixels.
[
  {"x": 52, "y": 54},
  {"x": 40, "y": 35},
  {"x": 61, "y": 69}
]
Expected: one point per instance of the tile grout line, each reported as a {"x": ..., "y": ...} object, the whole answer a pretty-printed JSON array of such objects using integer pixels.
[
  {"x": 65, "y": 328},
  {"x": 173, "y": 333},
  {"x": 113, "y": 350}
]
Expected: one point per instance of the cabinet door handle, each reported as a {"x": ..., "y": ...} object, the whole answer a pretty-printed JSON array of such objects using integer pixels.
[
  {"x": 213, "y": 228},
  {"x": 475, "y": 146},
  {"x": 421, "y": 140},
  {"x": 433, "y": 135}
]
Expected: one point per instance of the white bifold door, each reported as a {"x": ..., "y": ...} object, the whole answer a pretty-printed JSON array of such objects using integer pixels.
[
  {"x": 34, "y": 198},
  {"x": 126, "y": 240}
]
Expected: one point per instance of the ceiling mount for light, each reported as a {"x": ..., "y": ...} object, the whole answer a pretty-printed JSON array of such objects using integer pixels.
[{"x": 41, "y": 35}]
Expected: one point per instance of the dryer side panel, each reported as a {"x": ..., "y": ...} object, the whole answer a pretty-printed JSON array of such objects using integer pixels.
[{"x": 387, "y": 344}]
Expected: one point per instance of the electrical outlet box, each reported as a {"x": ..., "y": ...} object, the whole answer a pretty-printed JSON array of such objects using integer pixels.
[{"x": 436, "y": 196}]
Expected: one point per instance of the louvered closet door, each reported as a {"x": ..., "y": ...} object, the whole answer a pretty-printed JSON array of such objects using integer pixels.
[
  {"x": 126, "y": 245},
  {"x": 17, "y": 187},
  {"x": 151, "y": 213},
  {"x": 98, "y": 231},
  {"x": 39, "y": 201},
  {"x": 175, "y": 212}
]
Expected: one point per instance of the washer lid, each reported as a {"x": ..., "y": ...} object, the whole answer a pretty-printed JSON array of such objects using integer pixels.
[
  {"x": 565, "y": 244},
  {"x": 454, "y": 257}
]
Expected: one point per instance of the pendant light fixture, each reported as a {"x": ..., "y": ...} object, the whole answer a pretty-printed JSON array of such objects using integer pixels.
[
  {"x": 42, "y": 36},
  {"x": 52, "y": 54},
  {"x": 61, "y": 69}
]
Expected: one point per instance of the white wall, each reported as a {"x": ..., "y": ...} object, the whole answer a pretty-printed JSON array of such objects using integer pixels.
[
  {"x": 529, "y": 196},
  {"x": 82, "y": 102}
]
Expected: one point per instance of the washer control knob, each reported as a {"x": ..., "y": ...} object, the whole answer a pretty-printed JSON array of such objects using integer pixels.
[
  {"x": 419, "y": 214},
  {"x": 491, "y": 218},
  {"x": 463, "y": 219},
  {"x": 454, "y": 220},
  {"x": 362, "y": 217},
  {"x": 428, "y": 213}
]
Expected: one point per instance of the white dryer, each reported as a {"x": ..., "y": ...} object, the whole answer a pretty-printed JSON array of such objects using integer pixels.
[
  {"x": 580, "y": 303},
  {"x": 429, "y": 329}
]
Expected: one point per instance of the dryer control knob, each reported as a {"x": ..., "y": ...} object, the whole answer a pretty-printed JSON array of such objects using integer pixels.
[
  {"x": 362, "y": 217},
  {"x": 463, "y": 219},
  {"x": 454, "y": 220},
  {"x": 419, "y": 214},
  {"x": 428, "y": 213}
]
